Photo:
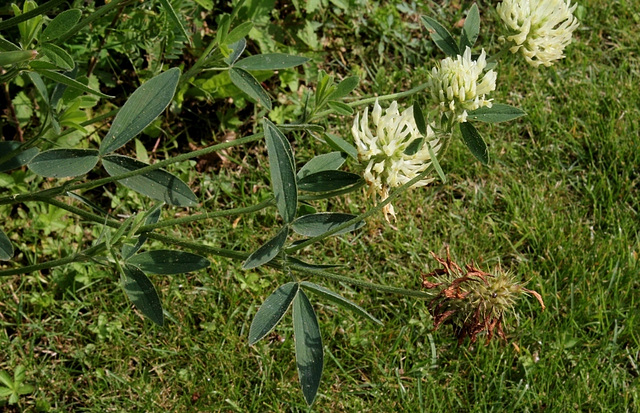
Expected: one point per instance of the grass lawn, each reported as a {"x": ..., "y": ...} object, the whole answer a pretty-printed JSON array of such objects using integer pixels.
[{"x": 558, "y": 206}]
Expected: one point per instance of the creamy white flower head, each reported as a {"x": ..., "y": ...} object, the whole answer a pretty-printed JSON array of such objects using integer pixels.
[
  {"x": 542, "y": 28},
  {"x": 383, "y": 149},
  {"x": 458, "y": 85}
]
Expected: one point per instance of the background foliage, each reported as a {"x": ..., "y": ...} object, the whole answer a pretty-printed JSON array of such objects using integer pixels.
[{"x": 558, "y": 206}]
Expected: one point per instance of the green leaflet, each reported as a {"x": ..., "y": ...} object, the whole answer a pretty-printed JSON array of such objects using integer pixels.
[
  {"x": 249, "y": 85},
  {"x": 6, "y": 249},
  {"x": 309, "y": 351},
  {"x": 282, "y": 168},
  {"x": 144, "y": 105},
  {"x": 270, "y": 61},
  {"x": 271, "y": 311},
  {"x": 142, "y": 293},
  {"x": 474, "y": 142},
  {"x": 62, "y": 163},
  {"x": 168, "y": 262},
  {"x": 268, "y": 251},
  {"x": 313, "y": 225},
  {"x": 157, "y": 184}
]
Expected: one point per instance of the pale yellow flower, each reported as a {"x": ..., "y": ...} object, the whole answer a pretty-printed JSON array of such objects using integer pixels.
[
  {"x": 460, "y": 85},
  {"x": 541, "y": 28},
  {"x": 383, "y": 149}
]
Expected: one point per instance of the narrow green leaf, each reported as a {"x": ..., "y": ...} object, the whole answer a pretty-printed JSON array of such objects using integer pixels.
[
  {"x": 62, "y": 163},
  {"x": 223, "y": 29},
  {"x": 40, "y": 65},
  {"x": 40, "y": 86},
  {"x": 4, "y": 391},
  {"x": 166, "y": 5},
  {"x": 340, "y": 300},
  {"x": 471, "y": 28},
  {"x": 324, "y": 162},
  {"x": 249, "y": 85},
  {"x": 324, "y": 181},
  {"x": 6, "y": 249},
  {"x": 441, "y": 37},
  {"x": 313, "y": 225},
  {"x": 474, "y": 142},
  {"x": 341, "y": 145},
  {"x": 345, "y": 87},
  {"x": 239, "y": 32},
  {"x": 152, "y": 216},
  {"x": 305, "y": 265},
  {"x": 60, "y": 25},
  {"x": 271, "y": 311},
  {"x": 282, "y": 167},
  {"x": 421, "y": 121},
  {"x": 309, "y": 127},
  {"x": 72, "y": 83},
  {"x": 270, "y": 61},
  {"x": 436, "y": 164},
  {"x": 157, "y": 184},
  {"x": 414, "y": 146},
  {"x": 236, "y": 50},
  {"x": 142, "y": 293},
  {"x": 309, "y": 351},
  {"x": 340, "y": 108},
  {"x": 268, "y": 251},
  {"x": 43, "y": 8},
  {"x": 498, "y": 112},
  {"x": 19, "y": 159},
  {"x": 7, "y": 46},
  {"x": 168, "y": 262},
  {"x": 144, "y": 105}
]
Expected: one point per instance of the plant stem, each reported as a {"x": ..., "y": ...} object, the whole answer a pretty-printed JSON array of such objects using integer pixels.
[
  {"x": 360, "y": 283},
  {"x": 221, "y": 252},
  {"x": 201, "y": 60},
  {"x": 13, "y": 199},
  {"x": 198, "y": 247},
  {"x": 216, "y": 214},
  {"x": 366, "y": 101},
  {"x": 30, "y": 14},
  {"x": 77, "y": 257},
  {"x": 93, "y": 17}
]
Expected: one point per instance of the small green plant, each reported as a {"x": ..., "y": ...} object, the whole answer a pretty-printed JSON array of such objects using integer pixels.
[
  {"x": 14, "y": 388},
  {"x": 391, "y": 153}
]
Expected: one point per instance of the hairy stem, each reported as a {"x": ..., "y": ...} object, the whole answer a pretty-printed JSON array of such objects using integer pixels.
[
  {"x": 13, "y": 199},
  {"x": 366, "y": 101}
]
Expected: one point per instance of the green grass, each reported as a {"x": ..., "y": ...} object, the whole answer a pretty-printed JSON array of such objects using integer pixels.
[{"x": 558, "y": 206}]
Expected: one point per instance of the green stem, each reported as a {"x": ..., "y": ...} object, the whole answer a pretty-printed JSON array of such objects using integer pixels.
[
  {"x": 201, "y": 60},
  {"x": 216, "y": 214},
  {"x": 93, "y": 17},
  {"x": 90, "y": 216},
  {"x": 13, "y": 199},
  {"x": 360, "y": 283},
  {"x": 32, "y": 142},
  {"x": 30, "y": 14},
  {"x": 198, "y": 247},
  {"x": 505, "y": 48},
  {"x": 77, "y": 257},
  {"x": 221, "y": 252},
  {"x": 366, "y": 101}
]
